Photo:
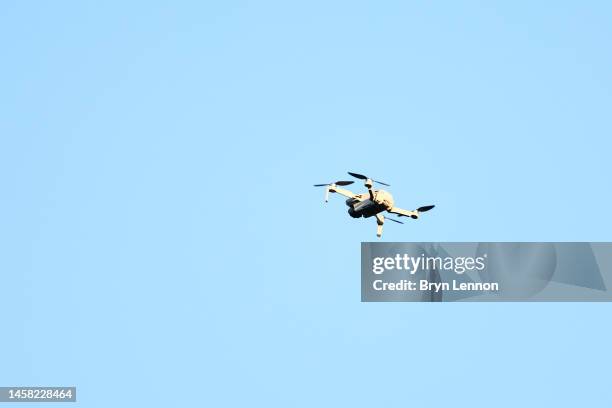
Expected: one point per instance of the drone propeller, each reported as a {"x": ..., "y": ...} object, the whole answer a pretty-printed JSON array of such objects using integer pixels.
[
  {"x": 362, "y": 177},
  {"x": 391, "y": 219},
  {"x": 338, "y": 183}
]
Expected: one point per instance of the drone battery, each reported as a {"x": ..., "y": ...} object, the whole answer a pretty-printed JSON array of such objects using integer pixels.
[{"x": 363, "y": 205}]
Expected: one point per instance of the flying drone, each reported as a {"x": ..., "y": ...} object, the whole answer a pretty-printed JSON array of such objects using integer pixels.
[{"x": 372, "y": 203}]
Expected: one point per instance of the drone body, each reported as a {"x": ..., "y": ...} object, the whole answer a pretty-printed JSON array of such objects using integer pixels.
[{"x": 372, "y": 203}]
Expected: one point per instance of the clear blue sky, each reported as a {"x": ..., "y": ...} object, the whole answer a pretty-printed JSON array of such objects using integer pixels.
[{"x": 161, "y": 241}]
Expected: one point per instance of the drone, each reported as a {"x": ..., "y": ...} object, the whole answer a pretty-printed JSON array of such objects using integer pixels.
[{"x": 372, "y": 203}]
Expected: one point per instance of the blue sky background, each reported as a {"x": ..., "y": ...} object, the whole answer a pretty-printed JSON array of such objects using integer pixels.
[{"x": 161, "y": 241}]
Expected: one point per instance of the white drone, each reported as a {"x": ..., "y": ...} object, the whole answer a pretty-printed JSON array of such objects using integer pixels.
[{"x": 372, "y": 203}]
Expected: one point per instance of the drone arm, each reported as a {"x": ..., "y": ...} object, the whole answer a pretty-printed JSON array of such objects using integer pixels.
[
  {"x": 369, "y": 183},
  {"x": 404, "y": 213},
  {"x": 371, "y": 193},
  {"x": 342, "y": 191},
  {"x": 380, "y": 220}
]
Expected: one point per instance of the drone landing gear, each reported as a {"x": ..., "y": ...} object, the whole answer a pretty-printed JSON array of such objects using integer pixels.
[{"x": 380, "y": 220}]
